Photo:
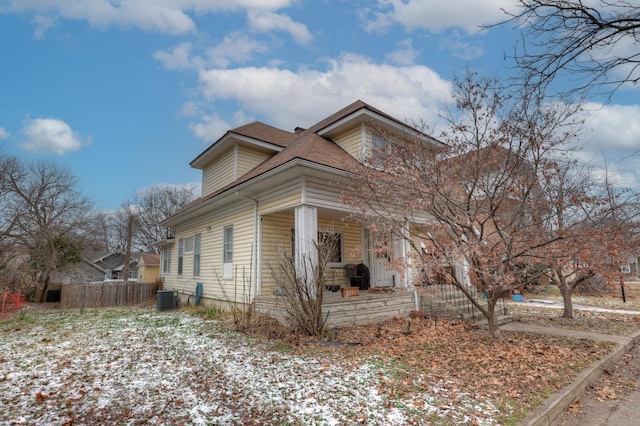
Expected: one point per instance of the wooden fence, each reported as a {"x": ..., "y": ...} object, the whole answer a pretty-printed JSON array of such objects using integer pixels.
[{"x": 108, "y": 293}]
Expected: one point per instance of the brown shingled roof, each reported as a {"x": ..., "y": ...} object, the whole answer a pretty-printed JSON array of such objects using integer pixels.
[
  {"x": 266, "y": 133},
  {"x": 305, "y": 145},
  {"x": 150, "y": 259}
]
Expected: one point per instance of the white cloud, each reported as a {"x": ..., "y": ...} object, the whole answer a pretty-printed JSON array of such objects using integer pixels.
[
  {"x": 50, "y": 135},
  {"x": 178, "y": 58},
  {"x": 234, "y": 48},
  {"x": 613, "y": 127},
  {"x": 611, "y": 135},
  {"x": 405, "y": 54},
  {"x": 436, "y": 15},
  {"x": 300, "y": 98},
  {"x": 210, "y": 128},
  {"x": 164, "y": 16},
  {"x": 459, "y": 48},
  {"x": 4, "y": 134},
  {"x": 190, "y": 109},
  {"x": 266, "y": 21}
]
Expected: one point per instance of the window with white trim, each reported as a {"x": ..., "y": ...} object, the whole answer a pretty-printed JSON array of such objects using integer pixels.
[
  {"x": 166, "y": 260},
  {"x": 227, "y": 252},
  {"x": 196, "y": 255},
  {"x": 180, "y": 255},
  {"x": 334, "y": 239}
]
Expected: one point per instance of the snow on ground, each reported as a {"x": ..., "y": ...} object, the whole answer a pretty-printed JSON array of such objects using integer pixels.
[{"x": 133, "y": 367}]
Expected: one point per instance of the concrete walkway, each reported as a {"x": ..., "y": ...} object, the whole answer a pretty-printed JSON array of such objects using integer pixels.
[
  {"x": 554, "y": 407},
  {"x": 557, "y": 304}
]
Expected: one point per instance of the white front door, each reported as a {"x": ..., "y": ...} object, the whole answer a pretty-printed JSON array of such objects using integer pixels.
[{"x": 382, "y": 274}]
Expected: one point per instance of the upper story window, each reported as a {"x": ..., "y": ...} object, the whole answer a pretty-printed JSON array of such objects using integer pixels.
[{"x": 378, "y": 143}]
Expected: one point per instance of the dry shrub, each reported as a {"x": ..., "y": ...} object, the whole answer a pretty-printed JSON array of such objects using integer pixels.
[{"x": 594, "y": 286}]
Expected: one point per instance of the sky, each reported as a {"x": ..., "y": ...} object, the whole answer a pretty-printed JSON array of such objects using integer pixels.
[{"x": 125, "y": 93}]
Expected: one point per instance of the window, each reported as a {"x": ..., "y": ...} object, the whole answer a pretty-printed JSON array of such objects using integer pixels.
[
  {"x": 377, "y": 149},
  {"x": 377, "y": 142},
  {"x": 227, "y": 252},
  {"x": 333, "y": 240},
  {"x": 180, "y": 255},
  {"x": 166, "y": 260},
  {"x": 196, "y": 255},
  {"x": 188, "y": 244}
]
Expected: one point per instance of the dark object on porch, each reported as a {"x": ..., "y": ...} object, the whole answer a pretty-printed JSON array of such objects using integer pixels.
[
  {"x": 358, "y": 275},
  {"x": 363, "y": 272},
  {"x": 332, "y": 287}
]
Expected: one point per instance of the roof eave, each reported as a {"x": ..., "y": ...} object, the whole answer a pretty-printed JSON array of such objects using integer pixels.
[
  {"x": 232, "y": 191},
  {"x": 209, "y": 154}
]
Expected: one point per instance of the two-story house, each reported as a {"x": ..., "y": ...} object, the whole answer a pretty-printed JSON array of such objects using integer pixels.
[{"x": 267, "y": 190}]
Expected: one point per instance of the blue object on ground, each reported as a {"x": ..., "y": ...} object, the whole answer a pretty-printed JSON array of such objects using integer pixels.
[{"x": 196, "y": 299}]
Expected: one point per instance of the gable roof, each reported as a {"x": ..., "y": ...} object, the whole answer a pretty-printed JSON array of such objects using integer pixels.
[
  {"x": 256, "y": 134},
  {"x": 149, "y": 259},
  {"x": 312, "y": 145}
]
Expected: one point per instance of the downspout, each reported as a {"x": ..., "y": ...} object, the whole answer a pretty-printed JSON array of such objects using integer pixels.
[{"x": 254, "y": 257}]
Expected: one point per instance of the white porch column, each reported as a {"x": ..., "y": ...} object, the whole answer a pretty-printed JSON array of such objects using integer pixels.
[
  {"x": 306, "y": 233},
  {"x": 462, "y": 269},
  {"x": 401, "y": 251}
]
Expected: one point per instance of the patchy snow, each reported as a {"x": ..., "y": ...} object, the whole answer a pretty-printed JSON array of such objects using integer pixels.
[{"x": 134, "y": 367}]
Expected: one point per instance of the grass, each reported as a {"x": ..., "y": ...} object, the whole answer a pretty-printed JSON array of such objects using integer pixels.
[
  {"x": 121, "y": 366},
  {"x": 584, "y": 320}
]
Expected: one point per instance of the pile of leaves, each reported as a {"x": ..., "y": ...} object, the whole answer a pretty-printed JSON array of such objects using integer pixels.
[{"x": 517, "y": 372}]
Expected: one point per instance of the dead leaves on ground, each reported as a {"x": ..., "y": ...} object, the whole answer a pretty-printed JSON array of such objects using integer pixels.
[{"x": 515, "y": 368}]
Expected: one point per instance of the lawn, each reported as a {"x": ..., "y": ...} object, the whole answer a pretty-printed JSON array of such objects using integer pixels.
[
  {"x": 618, "y": 323},
  {"x": 134, "y": 366}
]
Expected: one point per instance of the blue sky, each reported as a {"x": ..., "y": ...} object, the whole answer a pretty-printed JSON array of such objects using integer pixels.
[{"x": 127, "y": 92}]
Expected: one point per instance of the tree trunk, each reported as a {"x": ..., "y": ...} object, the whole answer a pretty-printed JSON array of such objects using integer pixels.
[
  {"x": 494, "y": 325},
  {"x": 567, "y": 293},
  {"x": 44, "y": 289},
  {"x": 568, "y": 302}
]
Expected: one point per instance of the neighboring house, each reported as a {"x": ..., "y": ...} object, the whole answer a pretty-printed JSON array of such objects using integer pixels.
[
  {"x": 97, "y": 267},
  {"x": 148, "y": 267},
  {"x": 267, "y": 191}
]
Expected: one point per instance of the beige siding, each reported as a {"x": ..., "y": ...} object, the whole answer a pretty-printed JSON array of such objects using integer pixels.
[
  {"x": 351, "y": 141},
  {"x": 219, "y": 173},
  {"x": 281, "y": 198},
  {"x": 276, "y": 241},
  {"x": 324, "y": 194},
  {"x": 249, "y": 159},
  {"x": 211, "y": 229}
]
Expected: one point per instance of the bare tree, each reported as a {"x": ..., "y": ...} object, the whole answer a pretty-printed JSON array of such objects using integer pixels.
[
  {"x": 52, "y": 221},
  {"x": 473, "y": 212},
  {"x": 594, "y": 44},
  {"x": 153, "y": 205},
  {"x": 302, "y": 282},
  {"x": 590, "y": 219}
]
